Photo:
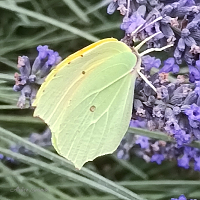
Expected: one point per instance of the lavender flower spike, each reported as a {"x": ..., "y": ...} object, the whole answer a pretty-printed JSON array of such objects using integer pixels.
[{"x": 31, "y": 77}]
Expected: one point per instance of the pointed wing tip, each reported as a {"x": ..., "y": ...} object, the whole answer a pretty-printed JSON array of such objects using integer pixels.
[
  {"x": 77, "y": 166},
  {"x": 80, "y": 165}
]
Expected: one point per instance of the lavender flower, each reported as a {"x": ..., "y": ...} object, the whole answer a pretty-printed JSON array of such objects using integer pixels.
[
  {"x": 184, "y": 161},
  {"x": 43, "y": 140},
  {"x": 129, "y": 24},
  {"x": 150, "y": 62},
  {"x": 193, "y": 112},
  {"x": 194, "y": 74},
  {"x": 170, "y": 66},
  {"x": 173, "y": 110},
  {"x": 1, "y": 156},
  {"x": 128, "y": 142},
  {"x": 181, "y": 197},
  {"x": 197, "y": 164},
  {"x": 179, "y": 25},
  {"x": 143, "y": 142},
  {"x": 158, "y": 158},
  {"x": 30, "y": 77}
]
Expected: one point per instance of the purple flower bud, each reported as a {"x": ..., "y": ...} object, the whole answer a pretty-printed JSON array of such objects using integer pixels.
[
  {"x": 175, "y": 69},
  {"x": 17, "y": 88},
  {"x": 171, "y": 126},
  {"x": 181, "y": 197},
  {"x": 126, "y": 23},
  {"x": 169, "y": 61},
  {"x": 10, "y": 159},
  {"x": 143, "y": 142},
  {"x": 112, "y": 7},
  {"x": 45, "y": 70},
  {"x": 184, "y": 162},
  {"x": 14, "y": 148},
  {"x": 191, "y": 98},
  {"x": 158, "y": 158},
  {"x": 120, "y": 154},
  {"x": 178, "y": 55},
  {"x": 35, "y": 138},
  {"x": 42, "y": 51},
  {"x": 150, "y": 62},
  {"x": 130, "y": 24},
  {"x": 189, "y": 151},
  {"x": 26, "y": 91},
  {"x": 138, "y": 123},
  {"x": 142, "y": 10},
  {"x": 167, "y": 31},
  {"x": 196, "y": 133},
  {"x": 169, "y": 113},
  {"x": 162, "y": 93},
  {"x": 193, "y": 112},
  {"x": 38, "y": 63},
  {"x": 53, "y": 58},
  {"x": 176, "y": 110},
  {"x": 24, "y": 66},
  {"x": 189, "y": 41},
  {"x": 181, "y": 137},
  {"x": 194, "y": 74},
  {"x": 190, "y": 3},
  {"x": 1, "y": 156},
  {"x": 32, "y": 78},
  {"x": 197, "y": 88},
  {"x": 27, "y": 82},
  {"x": 169, "y": 65},
  {"x": 167, "y": 10},
  {"x": 198, "y": 64},
  {"x": 185, "y": 33},
  {"x": 197, "y": 164},
  {"x": 181, "y": 44}
]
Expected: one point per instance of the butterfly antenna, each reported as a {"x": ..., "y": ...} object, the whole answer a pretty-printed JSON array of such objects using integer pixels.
[
  {"x": 146, "y": 40},
  {"x": 148, "y": 50},
  {"x": 153, "y": 22},
  {"x": 128, "y": 7},
  {"x": 143, "y": 26},
  {"x": 137, "y": 30},
  {"x": 155, "y": 49}
]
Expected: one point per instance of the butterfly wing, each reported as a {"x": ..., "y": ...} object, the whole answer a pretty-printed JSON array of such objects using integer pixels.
[{"x": 87, "y": 102}]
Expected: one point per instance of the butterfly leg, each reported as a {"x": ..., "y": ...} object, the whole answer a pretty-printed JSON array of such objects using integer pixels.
[{"x": 146, "y": 80}]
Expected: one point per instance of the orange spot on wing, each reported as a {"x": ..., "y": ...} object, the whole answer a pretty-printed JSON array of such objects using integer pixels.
[{"x": 92, "y": 108}]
